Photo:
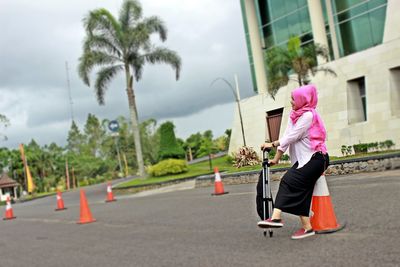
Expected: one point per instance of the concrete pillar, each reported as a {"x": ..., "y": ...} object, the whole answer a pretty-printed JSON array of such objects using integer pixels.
[
  {"x": 332, "y": 28},
  {"x": 317, "y": 24},
  {"x": 256, "y": 45},
  {"x": 392, "y": 22}
]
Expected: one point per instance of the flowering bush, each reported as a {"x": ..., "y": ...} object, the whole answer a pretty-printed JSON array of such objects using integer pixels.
[{"x": 246, "y": 156}]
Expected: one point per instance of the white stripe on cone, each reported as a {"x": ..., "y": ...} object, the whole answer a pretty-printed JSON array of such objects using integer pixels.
[
  {"x": 217, "y": 177},
  {"x": 58, "y": 197},
  {"x": 8, "y": 206},
  {"x": 109, "y": 189},
  {"x": 321, "y": 187}
]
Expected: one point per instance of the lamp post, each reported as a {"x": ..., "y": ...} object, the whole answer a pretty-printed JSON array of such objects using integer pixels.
[{"x": 237, "y": 99}]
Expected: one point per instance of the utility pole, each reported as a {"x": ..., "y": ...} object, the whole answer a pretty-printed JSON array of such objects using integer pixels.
[
  {"x": 237, "y": 99},
  {"x": 240, "y": 112},
  {"x": 69, "y": 91},
  {"x": 72, "y": 120}
]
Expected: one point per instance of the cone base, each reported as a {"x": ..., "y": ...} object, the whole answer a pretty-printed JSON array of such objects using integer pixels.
[
  {"x": 219, "y": 194},
  {"x": 329, "y": 231},
  {"x": 58, "y": 209},
  {"x": 111, "y": 200},
  {"x": 9, "y": 218},
  {"x": 85, "y": 222}
]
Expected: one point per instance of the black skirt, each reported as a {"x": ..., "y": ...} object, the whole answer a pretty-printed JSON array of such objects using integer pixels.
[{"x": 297, "y": 185}]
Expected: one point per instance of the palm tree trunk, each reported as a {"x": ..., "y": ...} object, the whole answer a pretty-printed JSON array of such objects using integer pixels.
[{"x": 135, "y": 123}]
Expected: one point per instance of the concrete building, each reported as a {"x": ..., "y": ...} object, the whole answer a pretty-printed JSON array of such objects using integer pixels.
[{"x": 361, "y": 104}]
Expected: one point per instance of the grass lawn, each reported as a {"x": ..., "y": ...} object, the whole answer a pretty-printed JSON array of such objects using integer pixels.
[
  {"x": 197, "y": 169},
  {"x": 203, "y": 168}
]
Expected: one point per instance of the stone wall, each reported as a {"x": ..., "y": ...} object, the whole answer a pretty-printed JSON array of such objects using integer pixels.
[{"x": 370, "y": 164}]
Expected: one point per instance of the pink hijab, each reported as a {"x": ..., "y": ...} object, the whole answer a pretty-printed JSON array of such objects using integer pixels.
[{"x": 306, "y": 99}]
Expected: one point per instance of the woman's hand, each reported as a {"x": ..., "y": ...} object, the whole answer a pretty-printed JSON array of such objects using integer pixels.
[
  {"x": 273, "y": 162},
  {"x": 266, "y": 145}
]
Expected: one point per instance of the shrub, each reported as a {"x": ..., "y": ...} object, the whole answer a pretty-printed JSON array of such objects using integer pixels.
[
  {"x": 389, "y": 144},
  {"x": 168, "y": 166},
  {"x": 246, "y": 156},
  {"x": 343, "y": 150},
  {"x": 285, "y": 157},
  {"x": 83, "y": 182},
  {"x": 346, "y": 150},
  {"x": 360, "y": 148},
  {"x": 169, "y": 147},
  {"x": 371, "y": 147},
  {"x": 229, "y": 158}
]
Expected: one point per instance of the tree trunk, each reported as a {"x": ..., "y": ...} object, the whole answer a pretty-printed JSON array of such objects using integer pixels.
[
  {"x": 135, "y": 123},
  {"x": 190, "y": 154}
]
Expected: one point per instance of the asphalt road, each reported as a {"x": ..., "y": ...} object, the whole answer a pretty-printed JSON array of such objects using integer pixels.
[{"x": 192, "y": 228}]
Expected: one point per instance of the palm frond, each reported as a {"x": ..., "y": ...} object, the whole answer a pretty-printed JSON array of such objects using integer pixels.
[
  {"x": 165, "y": 55},
  {"x": 101, "y": 43},
  {"x": 90, "y": 59},
  {"x": 104, "y": 76},
  {"x": 102, "y": 22},
  {"x": 130, "y": 12},
  {"x": 315, "y": 50},
  {"x": 137, "y": 64},
  {"x": 154, "y": 24},
  {"x": 325, "y": 70}
]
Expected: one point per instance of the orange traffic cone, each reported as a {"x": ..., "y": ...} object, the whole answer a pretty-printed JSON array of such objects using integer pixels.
[
  {"x": 218, "y": 186},
  {"x": 86, "y": 215},
  {"x": 9, "y": 212},
  {"x": 323, "y": 219},
  {"x": 60, "y": 202},
  {"x": 110, "y": 196}
]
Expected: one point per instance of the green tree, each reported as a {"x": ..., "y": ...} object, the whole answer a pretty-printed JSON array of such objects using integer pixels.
[
  {"x": 123, "y": 44},
  {"x": 207, "y": 145},
  {"x": 75, "y": 139},
  {"x": 192, "y": 145},
  {"x": 5, "y": 122},
  {"x": 94, "y": 134},
  {"x": 151, "y": 140},
  {"x": 297, "y": 59},
  {"x": 169, "y": 147}
]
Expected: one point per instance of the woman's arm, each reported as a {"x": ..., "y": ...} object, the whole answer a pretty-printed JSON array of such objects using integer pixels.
[
  {"x": 296, "y": 132},
  {"x": 278, "y": 154},
  {"x": 277, "y": 157}
]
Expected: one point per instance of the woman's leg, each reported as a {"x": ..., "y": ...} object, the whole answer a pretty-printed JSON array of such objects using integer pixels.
[
  {"x": 305, "y": 221},
  {"x": 276, "y": 214}
]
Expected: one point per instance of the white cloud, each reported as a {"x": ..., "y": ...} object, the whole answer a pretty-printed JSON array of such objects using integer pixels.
[{"x": 38, "y": 37}]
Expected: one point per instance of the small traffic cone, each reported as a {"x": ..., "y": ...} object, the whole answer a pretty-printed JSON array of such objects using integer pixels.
[
  {"x": 86, "y": 215},
  {"x": 60, "y": 202},
  {"x": 323, "y": 219},
  {"x": 9, "y": 212},
  {"x": 110, "y": 196},
  {"x": 218, "y": 186}
]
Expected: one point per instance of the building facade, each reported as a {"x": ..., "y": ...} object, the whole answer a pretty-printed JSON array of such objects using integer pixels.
[{"x": 359, "y": 105}]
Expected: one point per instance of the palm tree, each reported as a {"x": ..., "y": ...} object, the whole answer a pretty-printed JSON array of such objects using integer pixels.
[
  {"x": 302, "y": 61},
  {"x": 123, "y": 45}
]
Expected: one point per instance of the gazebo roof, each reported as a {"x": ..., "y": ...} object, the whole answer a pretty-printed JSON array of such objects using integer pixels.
[{"x": 6, "y": 181}]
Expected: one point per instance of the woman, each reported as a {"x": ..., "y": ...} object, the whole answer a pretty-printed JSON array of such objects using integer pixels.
[{"x": 305, "y": 137}]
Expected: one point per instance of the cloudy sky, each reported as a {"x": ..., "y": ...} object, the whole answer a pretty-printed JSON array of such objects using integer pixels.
[{"x": 39, "y": 37}]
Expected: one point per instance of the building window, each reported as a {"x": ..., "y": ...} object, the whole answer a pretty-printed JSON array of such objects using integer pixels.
[
  {"x": 281, "y": 20},
  {"x": 395, "y": 91},
  {"x": 359, "y": 24},
  {"x": 356, "y": 100}
]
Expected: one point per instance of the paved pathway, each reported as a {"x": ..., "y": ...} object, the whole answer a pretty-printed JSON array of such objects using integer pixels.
[{"x": 192, "y": 228}]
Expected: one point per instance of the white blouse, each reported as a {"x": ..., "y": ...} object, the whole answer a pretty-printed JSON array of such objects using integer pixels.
[{"x": 297, "y": 140}]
